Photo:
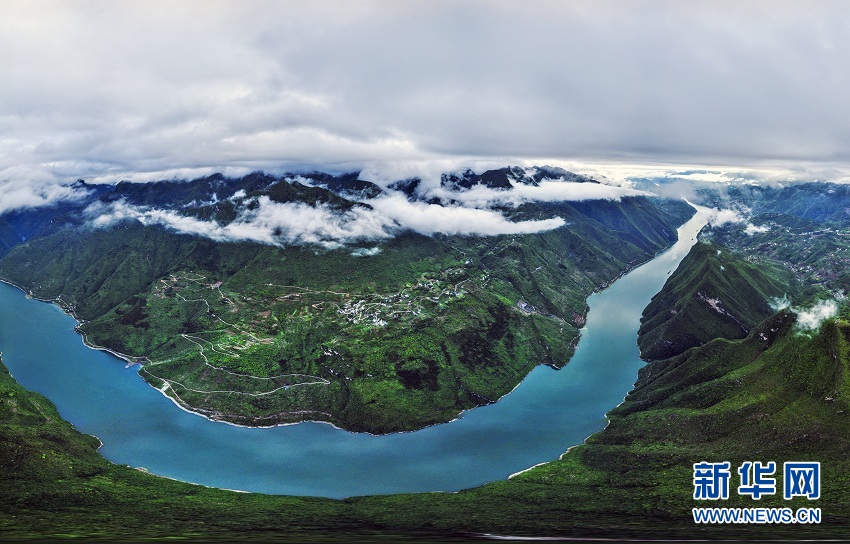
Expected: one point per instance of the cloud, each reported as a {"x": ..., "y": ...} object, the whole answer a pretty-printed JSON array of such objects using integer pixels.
[
  {"x": 755, "y": 229},
  {"x": 366, "y": 252},
  {"x": 429, "y": 171},
  {"x": 290, "y": 223},
  {"x": 812, "y": 318},
  {"x": 779, "y": 303},
  {"x": 269, "y": 223},
  {"x": 429, "y": 219},
  {"x": 24, "y": 188},
  {"x": 718, "y": 218},
  {"x": 480, "y": 196},
  {"x": 144, "y": 89},
  {"x": 430, "y": 174}
]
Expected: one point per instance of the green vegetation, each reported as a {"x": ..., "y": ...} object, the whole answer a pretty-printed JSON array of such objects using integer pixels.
[
  {"x": 814, "y": 202},
  {"x": 795, "y": 251},
  {"x": 714, "y": 293},
  {"x": 54, "y": 483},
  {"x": 816, "y": 253},
  {"x": 776, "y": 395},
  {"x": 398, "y": 340}
]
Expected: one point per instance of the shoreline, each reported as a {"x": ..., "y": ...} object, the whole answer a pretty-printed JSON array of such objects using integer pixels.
[
  {"x": 132, "y": 360},
  {"x": 57, "y": 301},
  {"x": 507, "y": 474},
  {"x": 645, "y": 362},
  {"x": 138, "y": 360}
]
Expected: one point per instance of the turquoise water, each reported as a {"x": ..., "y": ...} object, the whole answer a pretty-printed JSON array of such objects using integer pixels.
[{"x": 549, "y": 412}]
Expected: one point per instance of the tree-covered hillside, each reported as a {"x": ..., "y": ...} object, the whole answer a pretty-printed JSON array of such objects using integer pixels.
[
  {"x": 381, "y": 335},
  {"x": 712, "y": 294},
  {"x": 791, "y": 247}
]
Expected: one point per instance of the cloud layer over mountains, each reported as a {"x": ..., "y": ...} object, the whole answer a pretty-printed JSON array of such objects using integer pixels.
[
  {"x": 148, "y": 90},
  {"x": 444, "y": 209},
  {"x": 301, "y": 224}
]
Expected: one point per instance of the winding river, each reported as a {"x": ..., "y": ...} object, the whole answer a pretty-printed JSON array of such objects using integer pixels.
[{"x": 547, "y": 413}]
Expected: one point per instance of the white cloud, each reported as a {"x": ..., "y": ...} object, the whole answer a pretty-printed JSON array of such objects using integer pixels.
[
  {"x": 809, "y": 318},
  {"x": 812, "y": 318},
  {"x": 300, "y": 224},
  {"x": 727, "y": 216},
  {"x": 21, "y": 187},
  {"x": 269, "y": 223},
  {"x": 779, "y": 303},
  {"x": 480, "y": 196},
  {"x": 433, "y": 218},
  {"x": 430, "y": 173},
  {"x": 756, "y": 229},
  {"x": 718, "y": 218},
  {"x": 366, "y": 252}
]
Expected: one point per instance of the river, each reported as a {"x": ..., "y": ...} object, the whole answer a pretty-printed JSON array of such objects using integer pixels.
[{"x": 547, "y": 413}]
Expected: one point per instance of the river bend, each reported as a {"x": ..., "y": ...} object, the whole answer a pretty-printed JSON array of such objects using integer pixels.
[{"x": 547, "y": 413}]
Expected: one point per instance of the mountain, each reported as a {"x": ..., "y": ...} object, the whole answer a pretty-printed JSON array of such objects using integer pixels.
[
  {"x": 792, "y": 249},
  {"x": 820, "y": 202},
  {"x": 257, "y": 301},
  {"x": 712, "y": 294},
  {"x": 506, "y": 178}
]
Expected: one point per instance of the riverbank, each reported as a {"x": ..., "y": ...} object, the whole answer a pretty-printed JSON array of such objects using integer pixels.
[
  {"x": 172, "y": 389},
  {"x": 68, "y": 309},
  {"x": 54, "y": 486},
  {"x": 550, "y": 411}
]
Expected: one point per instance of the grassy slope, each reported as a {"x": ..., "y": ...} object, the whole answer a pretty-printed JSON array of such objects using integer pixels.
[
  {"x": 55, "y": 483},
  {"x": 761, "y": 398},
  {"x": 681, "y": 316}
]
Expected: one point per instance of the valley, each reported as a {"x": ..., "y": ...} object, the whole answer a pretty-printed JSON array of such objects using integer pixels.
[
  {"x": 375, "y": 336},
  {"x": 736, "y": 381},
  {"x": 776, "y": 391}
]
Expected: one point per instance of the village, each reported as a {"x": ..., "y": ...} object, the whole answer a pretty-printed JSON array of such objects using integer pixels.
[{"x": 222, "y": 326}]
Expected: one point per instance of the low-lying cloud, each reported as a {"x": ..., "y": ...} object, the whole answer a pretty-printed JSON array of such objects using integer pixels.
[
  {"x": 366, "y": 252},
  {"x": 290, "y": 223},
  {"x": 26, "y": 189},
  {"x": 808, "y": 319},
  {"x": 755, "y": 229},
  {"x": 812, "y": 318},
  {"x": 719, "y": 218},
  {"x": 480, "y": 196},
  {"x": 429, "y": 219},
  {"x": 269, "y": 223}
]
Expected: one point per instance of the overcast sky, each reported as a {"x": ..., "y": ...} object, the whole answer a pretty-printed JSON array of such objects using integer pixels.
[{"x": 105, "y": 90}]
